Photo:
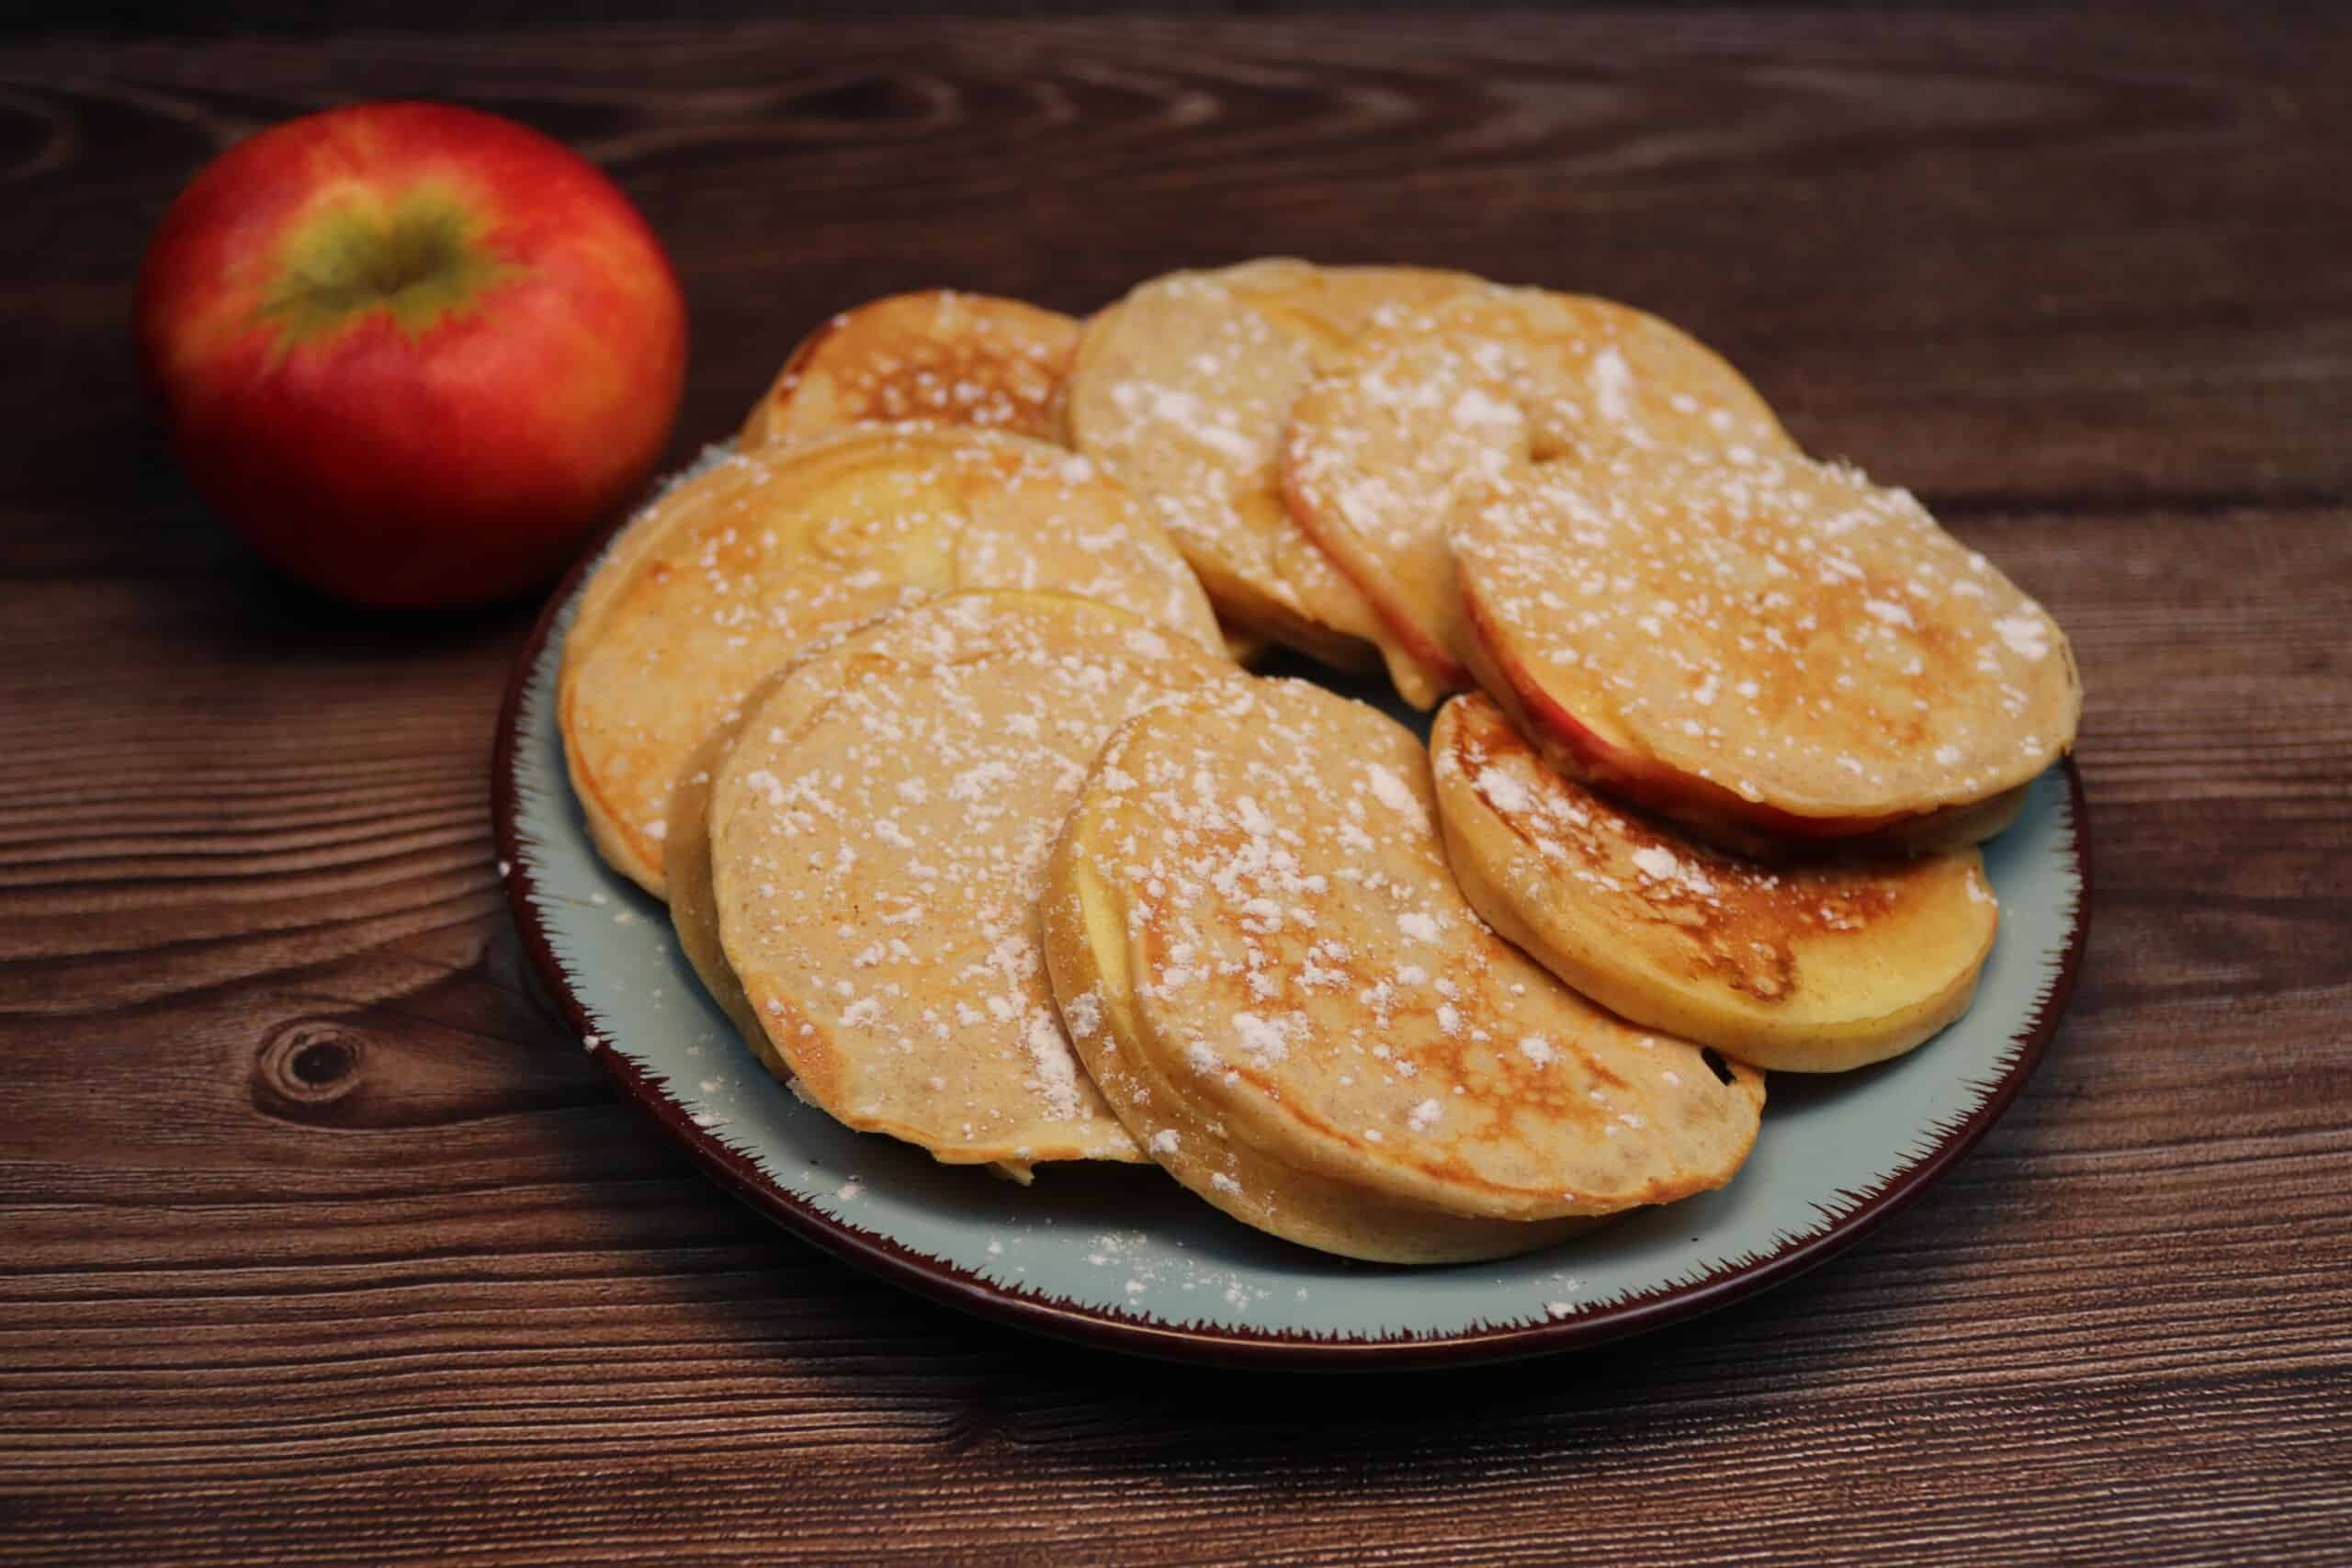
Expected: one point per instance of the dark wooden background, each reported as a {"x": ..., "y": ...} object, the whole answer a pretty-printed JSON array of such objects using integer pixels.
[{"x": 2086, "y": 283}]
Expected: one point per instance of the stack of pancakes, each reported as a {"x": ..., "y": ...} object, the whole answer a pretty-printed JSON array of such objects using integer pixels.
[{"x": 922, "y": 709}]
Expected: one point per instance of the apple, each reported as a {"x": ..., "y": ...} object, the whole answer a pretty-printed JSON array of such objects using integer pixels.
[{"x": 412, "y": 353}]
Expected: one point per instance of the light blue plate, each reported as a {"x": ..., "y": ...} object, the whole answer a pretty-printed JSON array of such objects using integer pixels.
[{"x": 1123, "y": 1256}]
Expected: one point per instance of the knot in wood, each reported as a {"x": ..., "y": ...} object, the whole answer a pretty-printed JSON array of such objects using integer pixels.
[{"x": 307, "y": 1061}]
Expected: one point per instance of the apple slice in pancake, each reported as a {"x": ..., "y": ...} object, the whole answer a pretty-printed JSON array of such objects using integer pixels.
[
  {"x": 677, "y": 495},
  {"x": 1181, "y": 390},
  {"x": 939, "y": 357},
  {"x": 878, "y": 836},
  {"x": 1273, "y": 977},
  {"x": 1708, "y": 810},
  {"x": 1482, "y": 383},
  {"x": 1810, "y": 968},
  {"x": 1762, "y": 647},
  {"x": 764, "y": 554}
]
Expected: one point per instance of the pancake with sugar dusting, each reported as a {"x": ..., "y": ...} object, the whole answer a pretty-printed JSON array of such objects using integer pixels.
[
  {"x": 694, "y": 900},
  {"x": 1814, "y": 968},
  {"x": 877, "y": 840},
  {"x": 674, "y": 496},
  {"x": 1381, "y": 443},
  {"x": 1181, "y": 390},
  {"x": 939, "y": 357},
  {"x": 1273, "y": 977},
  {"x": 1766, "y": 648},
  {"x": 766, "y": 553}
]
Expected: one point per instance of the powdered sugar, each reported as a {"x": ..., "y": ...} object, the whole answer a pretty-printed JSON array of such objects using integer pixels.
[
  {"x": 1503, "y": 791},
  {"x": 2027, "y": 635},
  {"x": 1613, "y": 385},
  {"x": 1655, "y": 861},
  {"x": 1393, "y": 792},
  {"x": 1083, "y": 1014}
]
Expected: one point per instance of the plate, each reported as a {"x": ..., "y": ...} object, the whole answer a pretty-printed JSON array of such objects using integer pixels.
[{"x": 1122, "y": 1257}]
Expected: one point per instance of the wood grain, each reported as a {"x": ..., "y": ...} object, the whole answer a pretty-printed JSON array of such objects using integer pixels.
[{"x": 322, "y": 1247}]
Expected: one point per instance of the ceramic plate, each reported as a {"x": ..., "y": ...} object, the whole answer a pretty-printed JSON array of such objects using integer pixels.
[{"x": 1120, "y": 1255}]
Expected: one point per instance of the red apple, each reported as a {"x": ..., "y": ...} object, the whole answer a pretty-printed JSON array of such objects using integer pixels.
[{"x": 411, "y": 352}]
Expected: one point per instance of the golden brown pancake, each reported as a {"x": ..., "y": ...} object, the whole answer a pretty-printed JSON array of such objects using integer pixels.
[
  {"x": 877, "y": 837},
  {"x": 1761, "y": 645},
  {"x": 1273, "y": 977},
  {"x": 1481, "y": 384},
  {"x": 763, "y": 554},
  {"x": 1181, "y": 390},
  {"x": 1814, "y": 968},
  {"x": 939, "y": 357},
  {"x": 675, "y": 495},
  {"x": 694, "y": 899}
]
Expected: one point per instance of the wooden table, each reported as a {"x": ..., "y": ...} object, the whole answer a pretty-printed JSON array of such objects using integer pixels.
[{"x": 436, "y": 1294}]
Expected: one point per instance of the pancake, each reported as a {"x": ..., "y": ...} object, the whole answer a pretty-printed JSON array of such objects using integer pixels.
[
  {"x": 1481, "y": 384},
  {"x": 1763, "y": 647},
  {"x": 1270, "y": 974},
  {"x": 674, "y": 496},
  {"x": 693, "y": 897},
  {"x": 1181, "y": 390},
  {"x": 1812, "y": 968},
  {"x": 766, "y": 553},
  {"x": 939, "y": 357},
  {"x": 878, "y": 837}
]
